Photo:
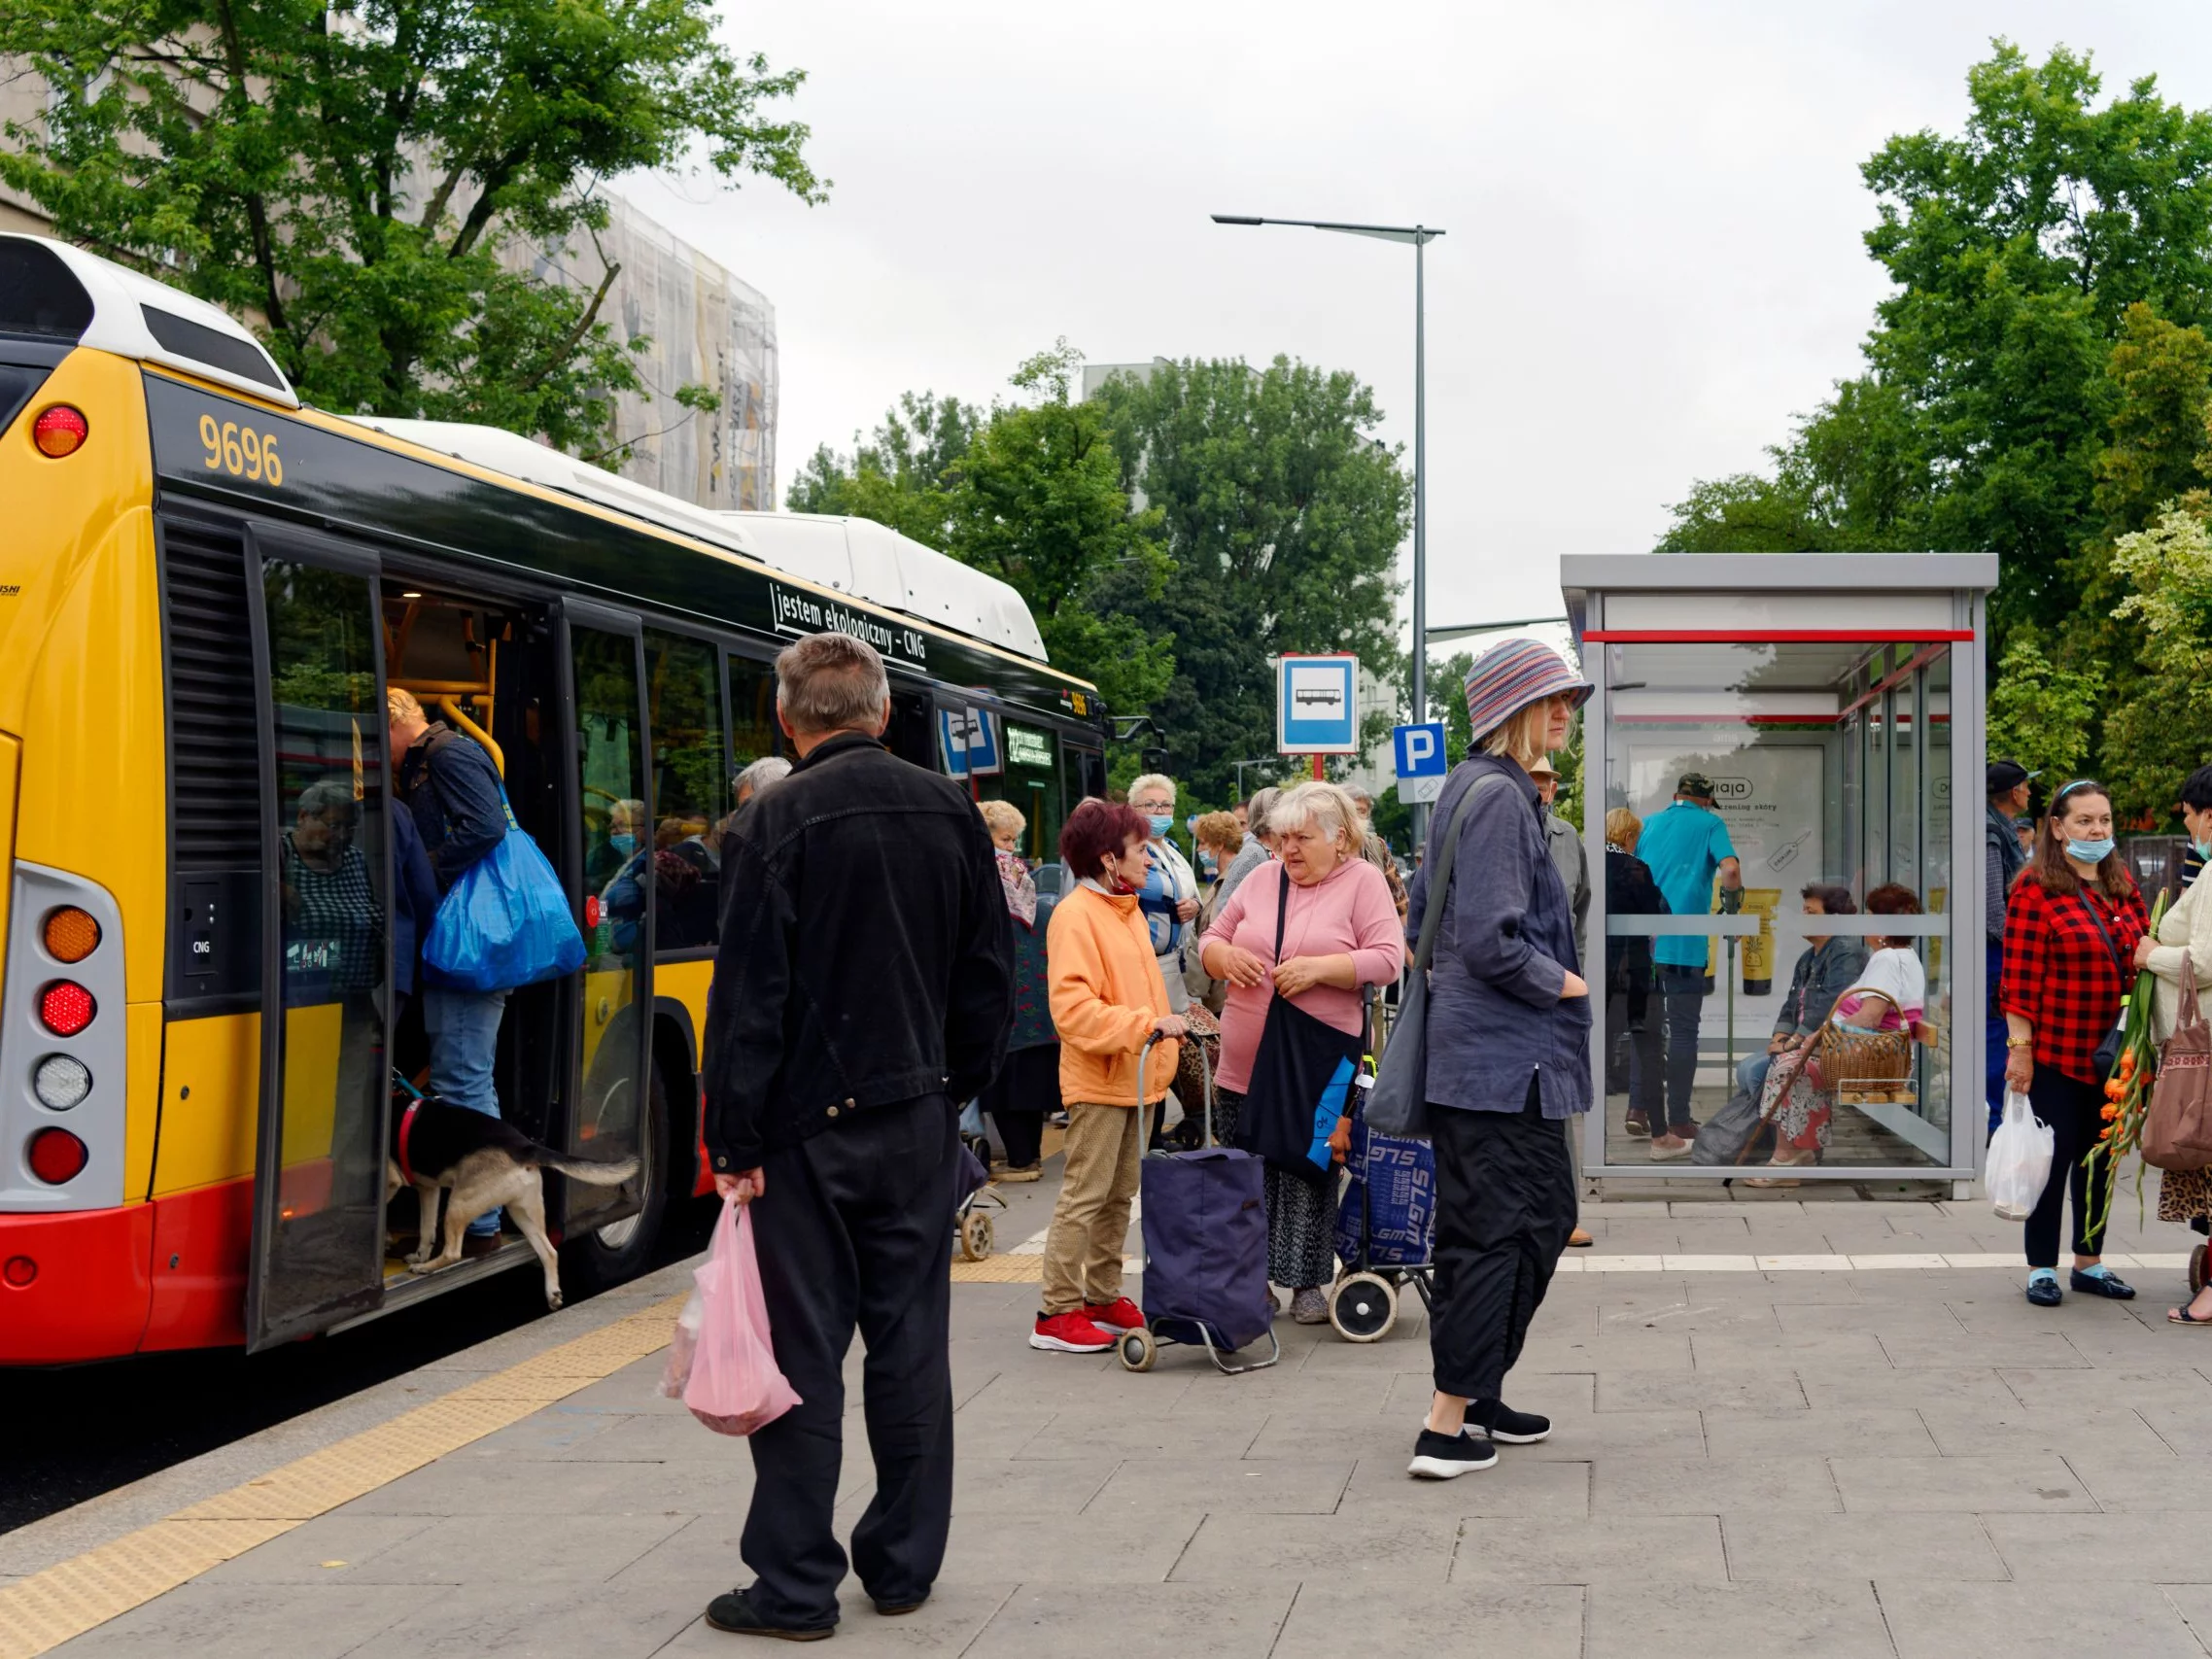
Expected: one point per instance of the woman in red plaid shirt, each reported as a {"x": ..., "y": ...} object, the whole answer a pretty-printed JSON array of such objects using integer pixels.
[{"x": 2072, "y": 921}]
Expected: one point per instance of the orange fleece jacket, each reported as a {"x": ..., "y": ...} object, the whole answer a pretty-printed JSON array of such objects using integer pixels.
[{"x": 1106, "y": 992}]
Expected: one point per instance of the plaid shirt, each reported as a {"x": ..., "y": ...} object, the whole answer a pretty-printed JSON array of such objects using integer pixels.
[{"x": 2059, "y": 975}]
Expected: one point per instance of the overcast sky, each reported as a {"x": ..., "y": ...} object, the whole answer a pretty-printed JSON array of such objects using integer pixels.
[{"x": 1653, "y": 216}]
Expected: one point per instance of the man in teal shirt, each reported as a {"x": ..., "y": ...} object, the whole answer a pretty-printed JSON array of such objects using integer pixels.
[{"x": 1686, "y": 845}]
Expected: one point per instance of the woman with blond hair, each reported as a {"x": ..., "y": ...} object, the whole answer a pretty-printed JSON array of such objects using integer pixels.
[
  {"x": 1312, "y": 930},
  {"x": 1028, "y": 1085},
  {"x": 1508, "y": 1054}
]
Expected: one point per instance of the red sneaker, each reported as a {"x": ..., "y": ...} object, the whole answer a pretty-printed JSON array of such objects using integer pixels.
[
  {"x": 1120, "y": 1315},
  {"x": 1070, "y": 1333}
]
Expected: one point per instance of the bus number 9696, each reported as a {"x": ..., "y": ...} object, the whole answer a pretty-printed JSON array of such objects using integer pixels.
[{"x": 241, "y": 451}]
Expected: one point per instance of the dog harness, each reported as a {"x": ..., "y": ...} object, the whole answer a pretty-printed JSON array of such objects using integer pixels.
[{"x": 406, "y": 1128}]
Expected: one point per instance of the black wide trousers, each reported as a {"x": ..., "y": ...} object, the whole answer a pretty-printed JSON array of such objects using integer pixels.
[
  {"x": 855, "y": 1233},
  {"x": 1505, "y": 1206}
]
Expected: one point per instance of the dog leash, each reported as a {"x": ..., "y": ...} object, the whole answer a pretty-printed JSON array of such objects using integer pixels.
[{"x": 407, "y": 1121}]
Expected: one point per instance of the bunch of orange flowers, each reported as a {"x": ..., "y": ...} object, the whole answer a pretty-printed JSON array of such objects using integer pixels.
[{"x": 2126, "y": 1097}]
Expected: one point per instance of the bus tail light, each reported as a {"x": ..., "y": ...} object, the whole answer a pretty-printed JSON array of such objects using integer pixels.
[
  {"x": 61, "y": 1082},
  {"x": 70, "y": 934},
  {"x": 67, "y": 1008},
  {"x": 59, "y": 430},
  {"x": 57, "y": 1156}
]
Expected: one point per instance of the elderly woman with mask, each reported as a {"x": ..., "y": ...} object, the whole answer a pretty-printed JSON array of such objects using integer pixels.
[
  {"x": 1028, "y": 1085},
  {"x": 1313, "y": 931}
]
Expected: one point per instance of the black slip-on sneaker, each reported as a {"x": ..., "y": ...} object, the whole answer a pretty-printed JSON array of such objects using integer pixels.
[
  {"x": 1447, "y": 1457},
  {"x": 2105, "y": 1284},
  {"x": 1502, "y": 1424},
  {"x": 733, "y": 1614}
]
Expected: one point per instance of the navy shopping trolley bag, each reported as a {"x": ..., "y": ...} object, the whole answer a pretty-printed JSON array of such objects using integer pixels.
[{"x": 1205, "y": 1243}]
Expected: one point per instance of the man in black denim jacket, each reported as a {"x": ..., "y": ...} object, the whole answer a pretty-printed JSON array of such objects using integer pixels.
[{"x": 863, "y": 989}]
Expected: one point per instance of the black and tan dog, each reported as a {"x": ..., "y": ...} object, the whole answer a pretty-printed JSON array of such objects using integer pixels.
[{"x": 485, "y": 1163}]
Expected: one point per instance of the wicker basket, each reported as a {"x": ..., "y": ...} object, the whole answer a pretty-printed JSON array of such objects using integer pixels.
[{"x": 1857, "y": 1061}]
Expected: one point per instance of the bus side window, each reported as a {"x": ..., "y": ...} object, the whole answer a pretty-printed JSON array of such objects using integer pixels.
[
  {"x": 688, "y": 789},
  {"x": 753, "y": 731}
]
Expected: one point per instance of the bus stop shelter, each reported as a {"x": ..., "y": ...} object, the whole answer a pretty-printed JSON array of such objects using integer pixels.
[{"x": 1835, "y": 704}]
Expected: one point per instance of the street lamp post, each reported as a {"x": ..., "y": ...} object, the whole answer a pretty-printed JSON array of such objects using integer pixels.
[{"x": 1420, "y": 237}]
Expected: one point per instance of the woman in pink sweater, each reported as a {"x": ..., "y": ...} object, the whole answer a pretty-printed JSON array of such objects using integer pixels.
[{"x": 1340, "y": 932}]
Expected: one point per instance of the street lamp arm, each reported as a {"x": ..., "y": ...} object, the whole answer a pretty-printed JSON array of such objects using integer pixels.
[{"x": 1417, "y": 234}]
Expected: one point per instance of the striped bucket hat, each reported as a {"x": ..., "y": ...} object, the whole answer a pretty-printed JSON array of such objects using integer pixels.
[{"x": 1512, "y": 675}]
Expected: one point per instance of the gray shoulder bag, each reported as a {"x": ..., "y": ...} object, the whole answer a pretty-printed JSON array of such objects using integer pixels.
[{"x": 1398, "y": 1103}]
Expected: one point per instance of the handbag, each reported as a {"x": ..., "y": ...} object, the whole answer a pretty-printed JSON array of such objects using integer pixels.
[
  {"x": 1853, "y": 1057},
  {"x": 2107, "y": 1057},
  {"x": 1301, "y": 1081},
  {"x": 2177, "y": 1130},
  {"x": 505, "y": 921},
  {"x": 1398, "y": 1103}
]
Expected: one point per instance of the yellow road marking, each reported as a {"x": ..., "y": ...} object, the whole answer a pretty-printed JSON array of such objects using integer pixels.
[{"x": 72, "y": 1597}]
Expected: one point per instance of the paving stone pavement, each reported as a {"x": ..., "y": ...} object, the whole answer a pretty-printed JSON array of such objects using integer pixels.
[{"x": 1899, "y": 1461}]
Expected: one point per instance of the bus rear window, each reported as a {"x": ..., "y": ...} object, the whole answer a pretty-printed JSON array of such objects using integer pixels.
[
  {"x": 17, "y": 384},
  {"x": 38, "y": 296}
]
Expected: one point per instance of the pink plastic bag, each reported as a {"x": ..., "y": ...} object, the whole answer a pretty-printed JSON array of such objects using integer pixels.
[{"x": 734, "y": 1387}]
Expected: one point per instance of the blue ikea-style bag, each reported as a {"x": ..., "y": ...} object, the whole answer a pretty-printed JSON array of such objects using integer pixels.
[{"x": 505, "y": 923}]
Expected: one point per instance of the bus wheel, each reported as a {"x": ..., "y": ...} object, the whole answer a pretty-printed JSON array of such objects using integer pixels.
[{"x": 624, "y": 1249}]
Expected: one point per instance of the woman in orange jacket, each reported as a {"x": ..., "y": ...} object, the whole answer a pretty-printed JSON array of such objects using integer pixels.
[{"x": 1109, "y": 1002}]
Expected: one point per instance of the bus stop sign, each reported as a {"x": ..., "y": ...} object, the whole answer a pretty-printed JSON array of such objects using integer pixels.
[{"x": 1316, "y": 709}]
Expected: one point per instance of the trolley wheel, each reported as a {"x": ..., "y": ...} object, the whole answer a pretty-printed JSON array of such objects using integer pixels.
[
  {"x": 977, "y": 1235},
  {"x": 1363, "y": 1307},
  {"x": 1138, "y": 1350},
  {"x": 2197, "y": 1268}
]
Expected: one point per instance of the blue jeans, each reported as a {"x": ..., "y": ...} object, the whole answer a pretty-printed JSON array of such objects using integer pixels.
[
  {"x": 1751, "y": 1073},
  {"x": 463, "y": 1028},
  {"x": 1682, "y": 1000}
]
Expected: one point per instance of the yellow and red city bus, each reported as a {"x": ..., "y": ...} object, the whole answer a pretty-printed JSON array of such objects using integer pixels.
[{"x": 205, "y": 593}]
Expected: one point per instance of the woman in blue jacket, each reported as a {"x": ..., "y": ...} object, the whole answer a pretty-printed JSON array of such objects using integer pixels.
[{"x": 1509, "y": 1056}]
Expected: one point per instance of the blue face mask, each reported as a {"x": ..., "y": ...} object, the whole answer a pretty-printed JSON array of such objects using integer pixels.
[
  {"x": 623, "y": 843},
  {"x": 1159, "y": 822},
  {"x": 2203, "y": 852},
  {"x": 2091, "y": 851}
]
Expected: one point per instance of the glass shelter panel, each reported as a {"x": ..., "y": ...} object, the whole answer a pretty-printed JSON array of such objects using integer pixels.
[{"x": 1828, "y": 764}]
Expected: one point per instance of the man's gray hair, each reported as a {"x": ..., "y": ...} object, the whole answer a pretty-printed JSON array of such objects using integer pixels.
[
  {"x": 831, "y": 682},
  {"x": 1324, "y": 806},
  {"x": 769, "y": 769},
  {"x": 1256, "y": 811}
]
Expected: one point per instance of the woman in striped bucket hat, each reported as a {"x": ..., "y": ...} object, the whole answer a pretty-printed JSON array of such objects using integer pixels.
[{"x": 1509, "y": 1064}]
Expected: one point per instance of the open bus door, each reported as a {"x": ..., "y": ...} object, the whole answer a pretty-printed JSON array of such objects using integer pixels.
[
  {"x": 610, "y": 857},
  {"x": 326, "y": 940}
]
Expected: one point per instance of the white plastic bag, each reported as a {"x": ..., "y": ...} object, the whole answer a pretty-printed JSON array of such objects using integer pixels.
[{"x": 2020, "y": 1159}]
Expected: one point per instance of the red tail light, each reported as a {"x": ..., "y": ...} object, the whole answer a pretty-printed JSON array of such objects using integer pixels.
[
  {"x": 59, "y": 430},
  {"x": 56, "y": 1156},
  {"x": 67, "y": 1008}
]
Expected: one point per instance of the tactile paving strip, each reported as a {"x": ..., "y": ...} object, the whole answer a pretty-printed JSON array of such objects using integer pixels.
[{"x": 47, "y": 1608}]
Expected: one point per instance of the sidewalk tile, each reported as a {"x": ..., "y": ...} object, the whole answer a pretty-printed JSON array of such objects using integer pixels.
[
  {"x": 1604, "y": 1549},
  {"x": 2147, "y": 1546},
  {"x": 1975, "y": 1387},
  {"x": 1824, "y": 1432},
  {"x": 599, "y": 1622},
  {"x": 1091, "y": 1434},
  {"x": 1725, "y": 1351},
  {"x": 1584, "y": 1435},
  {"x": 2060, "y": 1613},
  {"x": 2049, "y": 1351},
  {"x": 1540, "y": 1622},
  {"x": 1712, "y": 1486},
  {"x": 2135, "y": 1387},
  {"x": 2134, "y": 1485},
  {"x": 1518, "y": 1484},
  {"x": 2027, "y": 1482},
  {"x": 1285, "y": 1486},
  {"x": 1815, "y": 1617},
  {"x": 1371, "y": 1548},
  {"x": 1644, "y": 1390},
  {"x": 1167, "y": 1621},
  {"x": 2113, "y": 1430},
  {"x": 1070, "y": 1550},
  {"x": 1764, "y": 1547},
  {"x": 304, "y": 1554},
  {"x": 253, "y": 1621},
  {"x": 464, "y": 1551}
]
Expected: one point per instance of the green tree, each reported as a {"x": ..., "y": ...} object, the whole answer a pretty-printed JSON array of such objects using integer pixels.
[
  {"x": 899, "y": 473},
  {"x": 2154, "y": 732},
  {"x": 1037, "y": 501},
  {"x": 2160, "y": 375},
  {"x": 2041, "y": 715},
  {"x": 1282, "y": 515},
  {"x": 347, "y": 177}
]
